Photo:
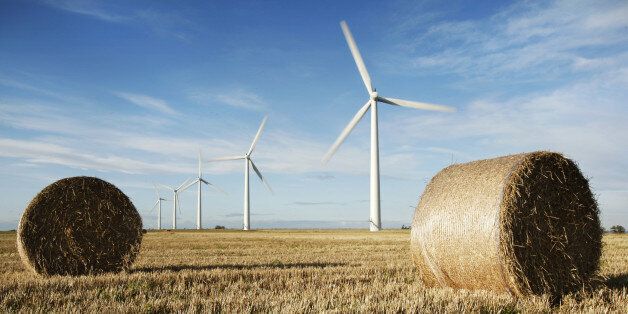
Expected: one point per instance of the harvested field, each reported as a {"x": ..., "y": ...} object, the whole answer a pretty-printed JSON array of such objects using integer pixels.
[{"x": 282, "y": 271}]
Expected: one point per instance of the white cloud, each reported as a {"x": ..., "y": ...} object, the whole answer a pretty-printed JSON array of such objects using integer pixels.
[
  {"x": 71, "y": 137},
  {"x": 147, "y": 102},
  {"x": 586, "y": 120},
  {"x": 163, "y": 23},
  {"x": 528, "y": 38},
  {"x": 6, "y": 80},
  {"x": 91, "y": 8},
  {"x": 38, "y": 152},
  {"x": 239, "y": 98}
]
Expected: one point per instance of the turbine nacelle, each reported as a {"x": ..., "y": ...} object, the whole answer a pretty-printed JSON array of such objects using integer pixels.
[{"x": 373, "y": 95}]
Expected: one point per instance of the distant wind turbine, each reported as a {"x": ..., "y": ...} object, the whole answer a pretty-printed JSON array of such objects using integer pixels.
[
  {"x": 158, "y": 205},
  {"x": 371, "y": 103},
  {"x": 200, "y": 181},
  {"x": 248, "y": 162},
  {"x": 175, "y": 200}
]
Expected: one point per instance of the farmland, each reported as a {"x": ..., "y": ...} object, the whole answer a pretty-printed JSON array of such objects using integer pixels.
[{"x": 282, "y": 271}]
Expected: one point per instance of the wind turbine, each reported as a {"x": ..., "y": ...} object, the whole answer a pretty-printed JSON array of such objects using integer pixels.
[
  {"x": 371, "y": 103},
  {"x": 158, "y": 205},
  {"x": 175, "y": 200},
  {"x": 199, "y": 179},
  {"x": 248, "y": 163}
]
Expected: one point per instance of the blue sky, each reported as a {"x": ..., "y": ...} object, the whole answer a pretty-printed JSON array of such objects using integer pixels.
[{"x": 129, "y": 91}]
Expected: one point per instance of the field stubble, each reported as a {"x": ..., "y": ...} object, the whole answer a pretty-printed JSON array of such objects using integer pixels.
[{"x": 282, "y": 271}]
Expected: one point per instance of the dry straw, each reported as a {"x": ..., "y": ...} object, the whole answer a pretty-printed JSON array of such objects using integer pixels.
[
  {"x": 78, "y": 226},
  {"x": 526, "y": 224}
]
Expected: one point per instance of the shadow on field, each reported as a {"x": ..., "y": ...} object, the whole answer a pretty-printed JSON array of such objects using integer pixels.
[
  {"x": 233, "y": 266},
  {"x": 617, "y": 282}
]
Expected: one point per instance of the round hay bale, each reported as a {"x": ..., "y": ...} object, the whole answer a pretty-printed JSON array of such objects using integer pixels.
[
  {"x": 79, "y": 226},
  {"x": 524, "y": 224}
]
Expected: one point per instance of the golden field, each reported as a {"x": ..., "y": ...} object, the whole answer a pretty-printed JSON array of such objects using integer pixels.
[{"x": 282, "y": 271}]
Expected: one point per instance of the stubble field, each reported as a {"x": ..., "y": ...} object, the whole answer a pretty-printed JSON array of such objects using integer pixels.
[{"x": 282, "y": 271}]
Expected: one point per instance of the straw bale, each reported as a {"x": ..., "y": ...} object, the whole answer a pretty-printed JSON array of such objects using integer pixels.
[
  {"x": 79, "y": 226},
  {"x": 525, "y": 224}
]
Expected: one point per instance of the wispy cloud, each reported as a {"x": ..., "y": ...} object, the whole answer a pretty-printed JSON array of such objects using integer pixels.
[
  {"x": 163, "y": 23},
  {"x": 238, "y": 97},
  {"x": 6, "y": 80},
  {"x": 147, "y": 102},
  {"x": 142, "y": 139},
  {"x": 39, "y": 152},
  {"x": 584, "y": 119},
  {"x": 524, "y": 40},
  {"x": 95, "y": 9}
]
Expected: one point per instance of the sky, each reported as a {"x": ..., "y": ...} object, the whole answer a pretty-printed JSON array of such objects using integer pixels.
[{"x": 130, "y": 91}]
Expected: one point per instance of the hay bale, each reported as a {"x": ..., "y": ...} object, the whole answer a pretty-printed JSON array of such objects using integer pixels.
[
  {"x": 526, "y": 224},
  {"x": 78, "y": 226}
]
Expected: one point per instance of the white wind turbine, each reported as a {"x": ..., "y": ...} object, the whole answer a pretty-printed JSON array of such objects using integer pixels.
[
  {"x": 248, "y": 162},
  {"x": 371, "y": 103},
  {"x": 200, "y": 181},
  {"x": 175, "y": 200},
  {"x": 158, "y": 205}
]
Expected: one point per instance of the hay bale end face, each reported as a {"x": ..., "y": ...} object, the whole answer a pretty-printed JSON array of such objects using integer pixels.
[
  {"x": 524, "y": 224},
  {"x": 79, "y": 226}
]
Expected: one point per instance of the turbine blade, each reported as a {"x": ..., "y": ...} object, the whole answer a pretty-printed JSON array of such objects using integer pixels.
[
  {"x": 347, "y": 130},
  {"x": 184, "y": 183},
  {"x": 213, "y": 186},
  {"x": 156, "y": 203},
  {"x": 259, "y": 174},
  {"x": 166, "y": 186},
  {"x": 257, "y": 135},
  {"x": 415, "y": 104},
  {"x": 187, "y": 185},
  {"x": 225, "y": 158},
  {"x": 156, "y": 190},
  {"x": 357, "y": 56}
]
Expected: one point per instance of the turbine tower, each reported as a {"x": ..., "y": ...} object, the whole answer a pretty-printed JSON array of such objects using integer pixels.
[
  {"x": 371, "y": 103},
  {"x": 248, "y": 163},
  {"x": 158, "y": 205},
  {"x": 200, "y": 181},
  {"x": 175, "y": 200}
]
